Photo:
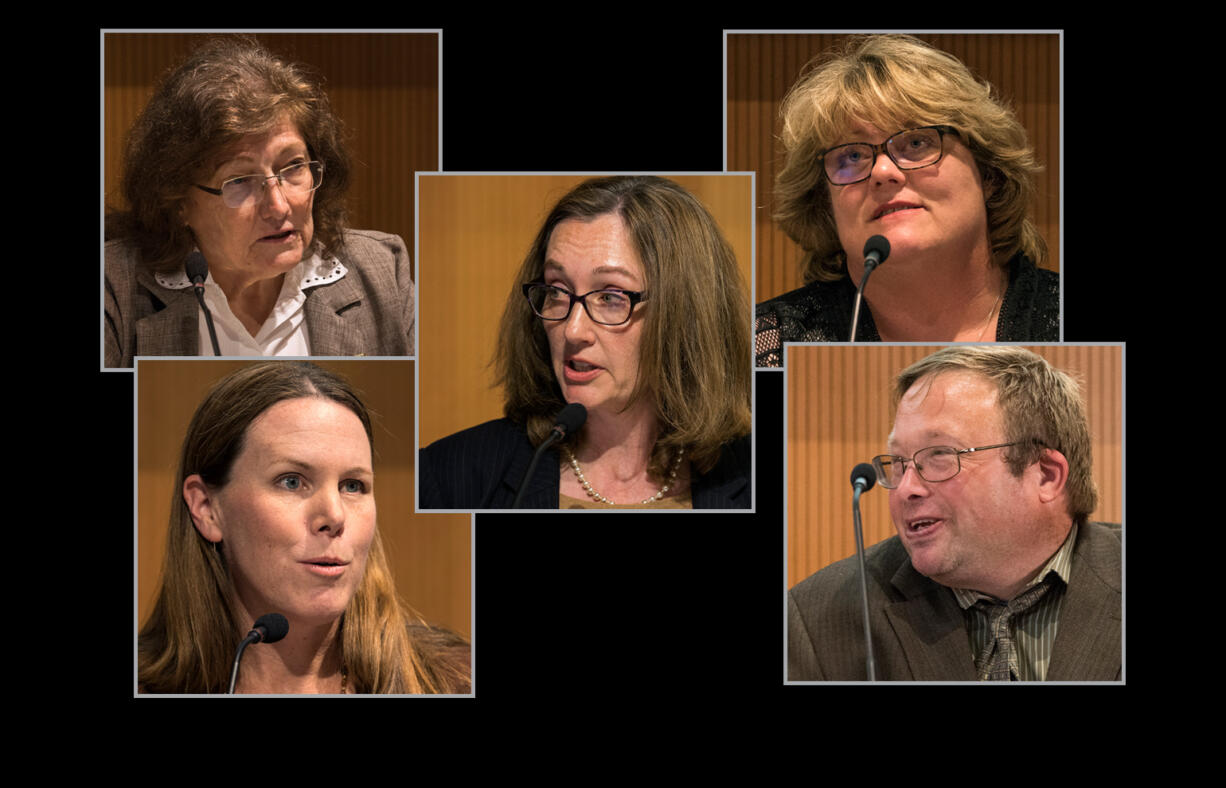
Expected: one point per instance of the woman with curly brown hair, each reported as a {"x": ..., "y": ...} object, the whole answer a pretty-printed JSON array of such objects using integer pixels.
[
  {"x": 896, "y": 138},
  {"x": 238, "y": 157}
]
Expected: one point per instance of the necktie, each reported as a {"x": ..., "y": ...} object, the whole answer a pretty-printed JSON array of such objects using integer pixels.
[{"x": 999, "y": 658}]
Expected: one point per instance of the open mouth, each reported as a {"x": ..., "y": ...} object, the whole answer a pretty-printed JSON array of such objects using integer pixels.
[
  {"x": 278, "y": 236},
  {"x": 581, "y": 366},
  {"x": 922, "y": 526},
  {"x": 886, "y": 210}
]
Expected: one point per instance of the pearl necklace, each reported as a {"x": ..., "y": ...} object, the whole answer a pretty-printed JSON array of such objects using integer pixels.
[{"x": 587, "y": 486}]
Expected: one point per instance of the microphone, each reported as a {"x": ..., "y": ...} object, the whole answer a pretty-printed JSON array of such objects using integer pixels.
[
  {"x": 876, "y": 250},
  {"x": 568, "y": 420},
  {"x": 268, "y": 628},
  {"x": 863, "y": 477},
  {"x": 197, "y": 270}
]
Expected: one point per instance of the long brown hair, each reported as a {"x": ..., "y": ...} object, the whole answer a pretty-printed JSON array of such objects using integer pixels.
[
  {"x": 187, "y": 643},
  {"x": 694, "y": 353}
]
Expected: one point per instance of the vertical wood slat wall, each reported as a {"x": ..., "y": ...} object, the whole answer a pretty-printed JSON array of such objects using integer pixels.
[
  {"x": 475, "y": 232},
  {"x": 839, "y": 414},
  {"x": 430, "y": 554},
  {"x": 762, "y": 67},
  {"x": 383, "y": 86}
]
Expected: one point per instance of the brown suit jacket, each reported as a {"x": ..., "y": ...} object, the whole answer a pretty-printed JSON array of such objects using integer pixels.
[
  {"x": 369, "y": 311},
  {"x": 919, "y": 632}
]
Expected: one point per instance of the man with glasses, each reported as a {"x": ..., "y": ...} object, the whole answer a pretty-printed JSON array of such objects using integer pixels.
[{"x": 996, "y": 572}]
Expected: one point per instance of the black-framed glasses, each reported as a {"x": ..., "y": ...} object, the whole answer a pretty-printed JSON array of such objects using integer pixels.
[
  {"x": 301, "y": 177},
  {"x": 910, "y": 149},
  {"x": 609, "y": 307},
  {"x": 933, "y": 464}
]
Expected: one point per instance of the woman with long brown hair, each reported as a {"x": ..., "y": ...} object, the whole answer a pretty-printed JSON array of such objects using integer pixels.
[
  {"x": 630, "y": 303},
  {"x": 274, "y": 511}
]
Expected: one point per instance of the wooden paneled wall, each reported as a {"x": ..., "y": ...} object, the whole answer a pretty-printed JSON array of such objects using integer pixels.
[
  {"x": 839, "y": 413},
  {"x": 475, "y": 232},
  {"x": 430, "y": 554},
  {"x": 383, "y": 86},
  {"x": 1025, "y": 69}
]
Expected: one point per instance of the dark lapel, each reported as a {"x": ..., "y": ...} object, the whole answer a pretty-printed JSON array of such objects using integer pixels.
[
  {"x": 1087, "y": 646},
  {"x": 541, "y": 491},
  {"x": 931, "y": 628},
  {"x": 173, "y": 330}
]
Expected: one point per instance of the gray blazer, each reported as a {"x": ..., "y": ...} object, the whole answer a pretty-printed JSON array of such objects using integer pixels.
[
  {"x": 369, "y": 311},
  {"x": 919, "y": 632}
]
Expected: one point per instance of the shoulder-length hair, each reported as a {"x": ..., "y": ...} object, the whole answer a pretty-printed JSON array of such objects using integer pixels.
[
  {"x": 227, "y": 89},
  {"x": 188, "y": 641},
  {"x": 1041, "y": 407},
  {"x": 694, "y": 355},
  {"x": 895, "y": 82}
]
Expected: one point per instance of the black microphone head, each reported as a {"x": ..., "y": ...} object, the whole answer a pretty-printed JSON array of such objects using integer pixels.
[
  {"x": 274, "y": 625},
  {"x": 196, "y": 267},
  {"x": 571, "y": 417},
  {"x": 865, "y": 474},
  {"x": 877, "y": 247}
]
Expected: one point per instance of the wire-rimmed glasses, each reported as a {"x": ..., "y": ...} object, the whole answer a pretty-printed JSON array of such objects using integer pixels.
[
  {"x": 301, "y": 177},
  {"x": 933, "y": 464},
  {"x": 609, "y": 306},
  {"x": 910, "y": 149}
]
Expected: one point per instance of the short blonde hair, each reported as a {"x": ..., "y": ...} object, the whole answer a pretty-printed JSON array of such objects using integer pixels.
[{"x": 895, "y": 82}]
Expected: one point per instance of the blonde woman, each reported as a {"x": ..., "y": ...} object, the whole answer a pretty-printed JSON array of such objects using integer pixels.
[{"x": 893, "y": 137}]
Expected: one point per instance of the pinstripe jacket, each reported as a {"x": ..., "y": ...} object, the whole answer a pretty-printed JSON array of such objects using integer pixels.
[
  {"x": 919, "y": 632},
  {"x": 369, "y": 311},
  {"x": 482, "y": 467}
]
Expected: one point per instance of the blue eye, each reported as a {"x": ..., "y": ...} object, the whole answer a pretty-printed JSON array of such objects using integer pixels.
[
  {"x": 353, "y": 486},
  {"x": 293, "y": 483}
]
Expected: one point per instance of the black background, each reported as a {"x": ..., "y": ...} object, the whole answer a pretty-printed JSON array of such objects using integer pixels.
[{"x": 614, "y": 625}]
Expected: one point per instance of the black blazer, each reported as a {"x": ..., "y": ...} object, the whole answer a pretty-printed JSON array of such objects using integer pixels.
[{"x": 481, "y": 468}]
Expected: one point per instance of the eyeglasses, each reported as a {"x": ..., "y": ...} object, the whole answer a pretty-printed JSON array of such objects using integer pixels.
[
  {"x": 301, "y": 177},
  {"x": 933, "y": 464},
  {"x": 610, "y": 307},
  {"x": 909, "y": 150}
]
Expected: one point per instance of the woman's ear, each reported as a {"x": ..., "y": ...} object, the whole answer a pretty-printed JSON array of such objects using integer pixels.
[{"x": 202, "y": 504}]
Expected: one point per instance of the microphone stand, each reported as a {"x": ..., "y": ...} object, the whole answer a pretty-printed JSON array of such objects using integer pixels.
[
  {"x": 868, "y": 636},
  {"x": 252, "y": 637},
  {"x": 554, "y": 436},
  {"x": 208, "y": 318},
  {"x": 869, "y": 266}
]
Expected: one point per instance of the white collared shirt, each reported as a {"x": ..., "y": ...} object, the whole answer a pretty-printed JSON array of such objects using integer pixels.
[{"x": 284, "y": 333}]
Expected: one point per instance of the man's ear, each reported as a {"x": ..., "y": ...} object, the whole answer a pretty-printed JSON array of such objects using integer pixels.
[
  {"x": 202, "y": 504},
  {"x": 1053, "y": 475}
]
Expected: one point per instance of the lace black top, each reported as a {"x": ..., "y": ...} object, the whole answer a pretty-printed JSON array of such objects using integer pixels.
[{"x": 821, "y": 312}]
